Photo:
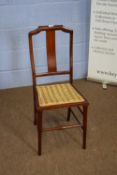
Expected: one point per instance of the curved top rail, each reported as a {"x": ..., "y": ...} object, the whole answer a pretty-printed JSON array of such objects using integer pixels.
[{"x": 50, "y": 27}]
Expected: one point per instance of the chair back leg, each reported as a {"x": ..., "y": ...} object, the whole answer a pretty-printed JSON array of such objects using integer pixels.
[
  {"x": 85, "y": 108},
  {"x": 68, "y": 114}
]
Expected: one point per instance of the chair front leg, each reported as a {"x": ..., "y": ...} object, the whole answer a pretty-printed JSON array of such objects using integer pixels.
[
  {"x": 85, "y": 109},
  {"x": 39, "y": 129},
  {"x": 35, "y": 113},
  {"x": 35, "y": 110}
]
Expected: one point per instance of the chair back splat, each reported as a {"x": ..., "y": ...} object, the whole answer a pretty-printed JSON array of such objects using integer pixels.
[
  {"x": 56, "y": 95},
  {"x": 51, "y": 51}
]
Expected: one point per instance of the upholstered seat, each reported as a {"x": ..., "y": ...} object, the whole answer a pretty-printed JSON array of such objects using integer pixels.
[{"x": 56, "y": 94}]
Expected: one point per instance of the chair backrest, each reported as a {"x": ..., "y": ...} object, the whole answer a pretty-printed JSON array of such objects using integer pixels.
[{"x": 51, "y": 51}]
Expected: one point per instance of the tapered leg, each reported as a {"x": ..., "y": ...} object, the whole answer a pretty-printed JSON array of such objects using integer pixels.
[
  {"x": 68, "y": 114},
  {"x": 84, "y": 125},
  {"x": 39, "y": 129},
  {"x": 35, "y": 114},
  {"x": 35, "y": 110}
]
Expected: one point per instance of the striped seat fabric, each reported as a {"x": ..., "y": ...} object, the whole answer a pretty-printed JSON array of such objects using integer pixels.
[{"x": 57, "y": 94}]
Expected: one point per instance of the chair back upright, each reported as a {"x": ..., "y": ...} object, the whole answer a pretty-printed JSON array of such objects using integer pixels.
[{"x": 51, "y": 51}]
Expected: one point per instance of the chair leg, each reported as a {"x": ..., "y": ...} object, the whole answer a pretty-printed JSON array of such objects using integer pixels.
[
  {"x": 39, "y": 129},
  {"x": 35, "y": 110},
  {"x": 68, "y": 114},
  {"x": 85, "y": 108},
  {"x": 35, "y": 114}
]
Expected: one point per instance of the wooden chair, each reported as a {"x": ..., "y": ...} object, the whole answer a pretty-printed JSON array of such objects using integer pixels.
[{"x": 59, "y": 95}]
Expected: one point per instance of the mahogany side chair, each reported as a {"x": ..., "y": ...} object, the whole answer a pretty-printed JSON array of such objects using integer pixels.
[{"x": 56, "y": 95}]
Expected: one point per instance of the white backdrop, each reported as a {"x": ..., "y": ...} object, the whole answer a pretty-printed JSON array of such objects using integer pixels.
[{"x": 103, "y": 41}]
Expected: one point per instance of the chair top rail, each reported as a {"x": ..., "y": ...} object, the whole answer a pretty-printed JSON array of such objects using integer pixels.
[{"x": 50, "y": 27}]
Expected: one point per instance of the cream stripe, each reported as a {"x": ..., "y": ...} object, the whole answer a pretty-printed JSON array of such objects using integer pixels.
[
  {"x": 61, "y": 93},
  {"x": 50, "y": 95},
  {"x": 41, "y": 94},
  {"x": 67, "y": 94},
  {"x": 55, "y": 93},
  {"x": 71, "y": 91},
  {"x": 75, "y": 93}
]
